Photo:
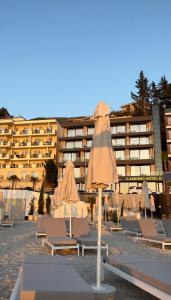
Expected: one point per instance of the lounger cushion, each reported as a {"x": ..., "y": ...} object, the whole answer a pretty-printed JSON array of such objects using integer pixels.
[
  {"x": 167, "y": 226},
  {"x": 148, "y": 270},
  {"x": 80, "y": 227},
  {"x": 159, "y": 238},
  {"x": 56, "y": 227},
  {"x": 88, "y": 241},
  {"x": 61, "y": 241},
  {"x": 44, "y": 281}
]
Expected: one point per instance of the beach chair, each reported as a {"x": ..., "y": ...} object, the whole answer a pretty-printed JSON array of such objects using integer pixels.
[
  {"x": 148, "y": 274},
  {"x": 7, "y": 223},
  {"x": 133, "y": 227},
  {"x": 150, "y": 234},
  {"x": 41, "y": 225},
  {"x": 109, "y": 225},
  {"x": 167, "y": 226},
  {"x": 81, "y": 232},
  {"x": 56, "y": 236},
  {"x": 47, "y": 277}
]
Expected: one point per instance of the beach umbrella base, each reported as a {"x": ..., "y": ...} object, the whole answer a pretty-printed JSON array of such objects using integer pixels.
[{"x": 105, "y": 292}]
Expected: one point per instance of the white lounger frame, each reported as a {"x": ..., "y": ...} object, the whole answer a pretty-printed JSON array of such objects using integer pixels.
[
  {"x": 7, "y": 224},
  {"x": 55, "y": 247},
  {"x": 153, "y": 241},
  {"x": 139, "y": 283},
  {"x": 84, "y": 247},
  {"x": 40, "y": 234}
]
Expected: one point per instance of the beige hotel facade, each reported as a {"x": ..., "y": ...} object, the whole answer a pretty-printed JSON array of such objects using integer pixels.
[{"x": 25, "y": 146}]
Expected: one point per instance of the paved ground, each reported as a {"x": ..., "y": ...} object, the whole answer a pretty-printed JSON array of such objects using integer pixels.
[{"x": 17, "y": 242}]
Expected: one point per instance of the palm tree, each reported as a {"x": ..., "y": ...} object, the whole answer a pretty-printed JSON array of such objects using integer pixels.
[
  {"x": 34, "y": 179},
  {"x": 13, "y": 179}
]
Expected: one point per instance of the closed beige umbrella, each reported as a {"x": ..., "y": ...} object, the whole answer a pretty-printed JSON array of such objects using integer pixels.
[
  {"x": 152, "y": 205},
  {"x": 145, "y": 203},
  {"x": 57, "y": 197},
  {"x": 102, "y": 169},
  {"x": 69, "y": 191}
]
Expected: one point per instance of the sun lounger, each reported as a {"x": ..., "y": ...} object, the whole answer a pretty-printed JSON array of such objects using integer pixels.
[
  {"x": 133, "y": 227},
  {"x": 41, "y": 225},
  {"x": 43, "y": 277},
  {"x": 109, "y": 225},
  {"x": 7, "y": 223},
  {"x": 56, "y": 236},
  {"x": 167, "y": 226},
  {"x": 81, "y": 232},
  {"x": 150, "y": 234},
  {"x": 148, "y": 274}
]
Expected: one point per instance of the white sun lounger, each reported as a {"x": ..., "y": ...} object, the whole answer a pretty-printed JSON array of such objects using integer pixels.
[
  {"x": 150, "y": 234},
  {"x": 56, "y": 236},
  {"x": 146, "y": 273},
  {"x": 81, "y": 232}
]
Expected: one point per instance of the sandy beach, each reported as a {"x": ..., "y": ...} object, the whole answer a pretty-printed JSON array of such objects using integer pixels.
[{"x": 19, "y": 241}]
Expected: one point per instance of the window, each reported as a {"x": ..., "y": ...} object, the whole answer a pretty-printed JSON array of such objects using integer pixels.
[
  {"x": 120, "y": 155},
  {"x": 86, "y": 155},
  {"x": 120, "y": 142},
  {"x": 140, "y": 170},
  {"x": 145, "y": 170},
  {"x": 71, "y": 132},
  {"x": 134, "y": 141},
  {"x": 134, "y": 154},
  {"x": 76, "y": 144},
  {"x": 69, "y": 145},
  {"x": 89, "y": 143},
  {"x": 69, "y": 156},
  {"x": 121, "y": 170},
  {"x": 90, "y": 131},
  {"x": 144, "y": 154},
  {"x": 77, "y": 172},
  {"x": 144, "y": 140},
  {"x": 118, "y": 129},
  {"x": 75, "y": 132},
  {"x": 140, "y": 154},
  {"x": 138, "y": 128},
  {"x": 79, "y": 132}
]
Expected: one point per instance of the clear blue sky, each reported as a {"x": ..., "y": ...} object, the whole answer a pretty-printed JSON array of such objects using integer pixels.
[{"x": 60, "y": 57}]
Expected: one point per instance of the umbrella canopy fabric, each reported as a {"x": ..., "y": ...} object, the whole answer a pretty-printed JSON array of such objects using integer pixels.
[
  {"x": 69, "y": 191},
  {"x": 57, "y": 197},
  {"x": 102, "y": 164},
  {"x": 152, "y": 204},
  {"x": 145, "y": 203}
]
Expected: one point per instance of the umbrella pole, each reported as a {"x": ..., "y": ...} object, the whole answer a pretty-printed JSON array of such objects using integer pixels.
[
  {"x": 99, "y": 239},
  {"x": 145, "y": 213},
  {"x": 70, "y": 231}
]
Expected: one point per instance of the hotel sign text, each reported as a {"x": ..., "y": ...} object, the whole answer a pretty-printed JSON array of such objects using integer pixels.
[{"x": 141, "y": 178}]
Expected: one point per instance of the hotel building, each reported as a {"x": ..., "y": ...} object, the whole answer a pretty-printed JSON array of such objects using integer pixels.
[
  {"x": 25, "y": 146},
  {"x": 168, "y": 135},
  {"x": 136, "y": 143}
]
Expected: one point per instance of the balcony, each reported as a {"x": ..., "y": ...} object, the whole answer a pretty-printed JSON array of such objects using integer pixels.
[{"x": 5, "y": 131}]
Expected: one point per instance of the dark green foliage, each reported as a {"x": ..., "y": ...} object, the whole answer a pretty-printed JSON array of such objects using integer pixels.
[
  {"x": 142, "y": 98},
  {"x": 41, "y": 201},
  {"x": 4, "y": 114},
  {"x": 34, "y": 179},
  {"x": 48, "y": 205},
  {"x": 51, "y": 172},
  {"x": 13, "y": 179},
  {"x": 31, "y": 211}
]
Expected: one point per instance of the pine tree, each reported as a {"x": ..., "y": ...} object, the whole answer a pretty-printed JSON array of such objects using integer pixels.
[
  {"x": 142, "y": 98},
  {"x": 164, "y": 91},
  {"x": 154, "y": 93}
]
